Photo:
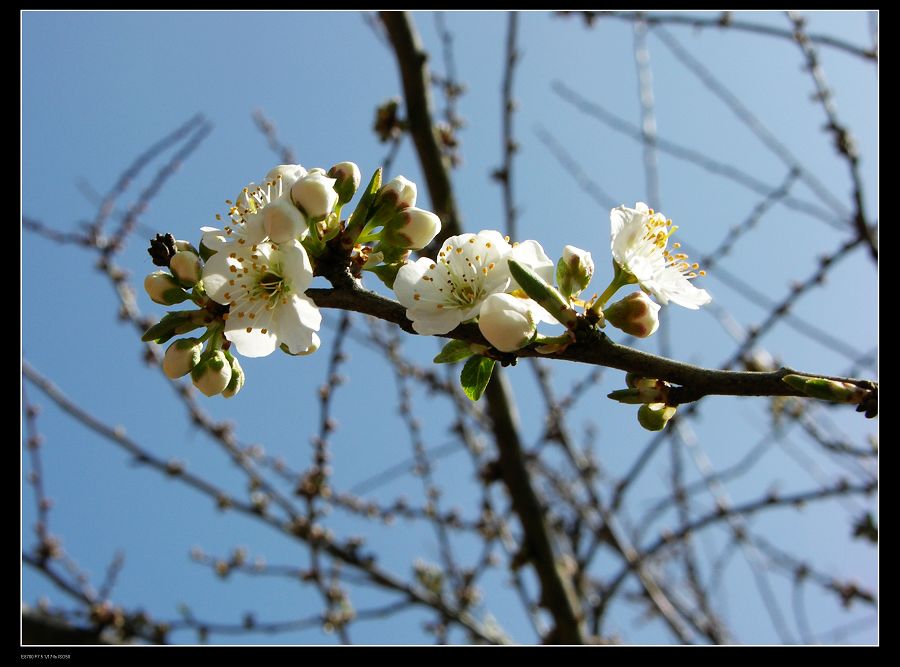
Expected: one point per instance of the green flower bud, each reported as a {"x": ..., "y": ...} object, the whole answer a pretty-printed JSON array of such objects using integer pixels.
[
  {"x": 655, "y": 416},
  {"x": 574, "y": 271},
  {"x": 237, "y": 376},
  {"x": 163, "y": 289},
  {"x": 348, "y": 178},
  {"x": 213, "y": 374},
  {"x": 181, "y": 357},
  {"x": 826, "y": 390},
  {"x": 641, "y": 390},
  {"x": 546, "y": 295},
  {"x": 636, "y": 315},
  {"x": 187, "y": 267},
  {"x": 185, "y": 245}
]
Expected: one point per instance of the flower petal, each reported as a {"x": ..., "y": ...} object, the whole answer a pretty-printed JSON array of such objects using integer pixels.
[
  {"x": 296, "y": 323},
  {"x": 216, "y": 276},
  {"x": 296, "y": 268},
  {"x": 252, "y": 343},
  {"x": 532, "y": 255}
]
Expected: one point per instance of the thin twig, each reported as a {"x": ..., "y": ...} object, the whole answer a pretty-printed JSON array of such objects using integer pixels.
[{"x": 727, "y": 22}]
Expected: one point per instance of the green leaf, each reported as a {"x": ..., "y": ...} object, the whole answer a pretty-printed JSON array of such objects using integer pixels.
[
  {"x": 361, "y": 212},
  {"x": 178, "y": 322},
  {"x": 455, "y": 350},
  {"x": 546, "y": 295},
  {"x": 475, "y": 376},
  {"x": 387, "y": 273}
]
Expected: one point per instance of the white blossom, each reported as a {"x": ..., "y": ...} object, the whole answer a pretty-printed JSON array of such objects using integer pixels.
[
  {"x": 639, "y": 244},
  {"x": 264, "y": 287},
  {"x": 440, "y": 294}
]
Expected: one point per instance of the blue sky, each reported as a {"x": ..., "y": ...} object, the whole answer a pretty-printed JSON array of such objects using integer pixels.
[{"x": 99, "y": 87}]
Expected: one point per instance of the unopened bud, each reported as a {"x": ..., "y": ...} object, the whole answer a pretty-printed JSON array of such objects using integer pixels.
[
  {"x": 287, "y": 175},
  {"x": 574, "y": 271},
  {"x": 212, "y": 375},
  {"x": 314, "y": 194},
  {"x": 347, "y": 179},
  {"x": 283, "y": 222},
  {"x": 181, "y": 357},
  {"x": 655, "y": 416},
  {"x": 187, "y": 267},
  {"x": 237, "y": 376},
  {"x": 641, "y": 390},
  {"x": 507, "y": 322},
  {"x": 827, "y": 390},
  {"x": 412, "y": 228},
  {"x": 163, "y": 289},
  {"x": 399, "y": 192},
  {"x": 636, "y": 315}
]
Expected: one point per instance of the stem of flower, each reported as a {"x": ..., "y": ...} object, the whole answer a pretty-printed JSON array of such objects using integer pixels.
[
  {"x": 619, "y": 281},
  {"x": 562, "y": 339},
  {"x": 214, "y": 335}
]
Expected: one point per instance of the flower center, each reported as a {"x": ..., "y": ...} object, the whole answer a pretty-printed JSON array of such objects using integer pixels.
[
  {"x": 657, "y": 231},
  {"x": 269, "y": 287}
]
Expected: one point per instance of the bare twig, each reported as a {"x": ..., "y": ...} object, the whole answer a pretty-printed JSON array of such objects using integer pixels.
[{"x": 727, "y": 22}]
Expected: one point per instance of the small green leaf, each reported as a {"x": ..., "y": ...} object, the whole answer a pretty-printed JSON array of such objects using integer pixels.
[
  {"x": 170, "y": 325},
  {"x": 475, "y": 376},
  {"x": 546, "y": 295},
  {"x": 455, "y": 350},
  {"x": 361, "y": 213},
  {"x": 387, "y": 273}
]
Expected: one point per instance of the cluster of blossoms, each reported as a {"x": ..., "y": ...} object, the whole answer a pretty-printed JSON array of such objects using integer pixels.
[
  {"x": 248, "y": 280},
  {"x": 508, "y": 289},
  {"x": 249, "y": 277}
]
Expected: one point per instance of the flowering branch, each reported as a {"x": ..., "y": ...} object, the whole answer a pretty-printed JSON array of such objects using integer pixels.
[{"x": 593, "y": 348}]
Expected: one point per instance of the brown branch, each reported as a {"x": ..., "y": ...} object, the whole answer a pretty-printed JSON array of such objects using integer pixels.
[
  {"x": 555, "y": 595},
  {"x": 594, "y": 348},
  {"x": 412, "y": 61}
]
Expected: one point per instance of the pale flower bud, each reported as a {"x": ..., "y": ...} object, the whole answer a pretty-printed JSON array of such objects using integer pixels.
[
  {"x": 655, "y": 416},
  {"x": 287, "y": 173},
  {"x": 348, "y": 179},
  {"x": 186, "y": 266},
  {"x": 574, "y": 271},
  {"x": 636, "y": 314},
  {"x": 181, "y": 357},
  {"x": 163, "y": 289},
  {"x": 212, "y": 375},
  {"x": 399, "y": 191},
  {"x": 412, "y": 228},
  {"x": 506, "y": 321},
  {"x": 283, "y": 222},
  {"x": 315, "y": 194},
  {"x": 237, "y": 377}
]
